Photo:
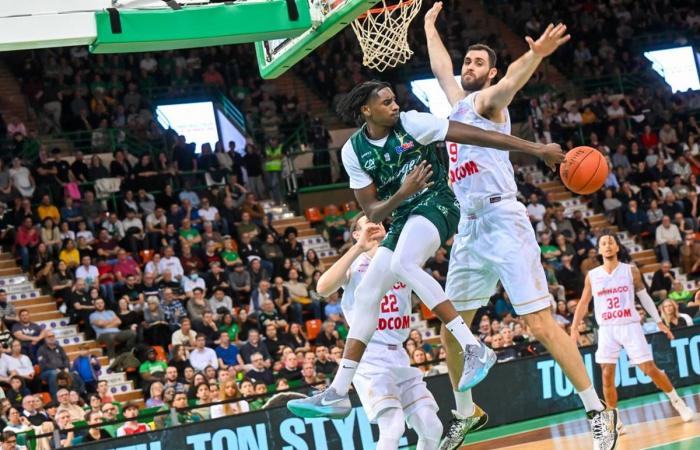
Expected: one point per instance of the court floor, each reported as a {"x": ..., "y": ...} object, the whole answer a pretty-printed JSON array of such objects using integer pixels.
[{"x": 650, "y": 422}]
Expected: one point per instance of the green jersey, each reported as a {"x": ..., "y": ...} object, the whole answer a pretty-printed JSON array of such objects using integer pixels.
[{"x": 387, "y": 162}]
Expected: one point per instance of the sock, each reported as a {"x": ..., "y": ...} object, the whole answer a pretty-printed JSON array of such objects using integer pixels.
[
  {"x": 461, "y": 332},
  {"x": 343, "y": 378},
  {"x": 672, "y": 395},
  {"x": 465, "y": 405},
  {"x": 590, "y": 400}
]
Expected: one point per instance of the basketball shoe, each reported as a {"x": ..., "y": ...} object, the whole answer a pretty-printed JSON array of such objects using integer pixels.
[
  {"x": 478, "y": 360},
  {"x": 684, "y": 410},
  {"x": 604, "y": 428},
  {"x": 459, "y": 427},
  {"x": 327, "y": 403}
]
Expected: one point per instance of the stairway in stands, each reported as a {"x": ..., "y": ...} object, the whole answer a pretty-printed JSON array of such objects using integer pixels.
[
  {"x": 22, "y": 293},
  {"x": 644, "y": 258},
  {"x": 291, "y": 84},
  {"x": 12, "y": 100}
]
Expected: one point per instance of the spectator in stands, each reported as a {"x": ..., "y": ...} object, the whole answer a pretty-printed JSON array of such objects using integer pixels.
[
  {"x": 156, "y": 330},
  {"x": 228, "y": 354},
  {"x": 65, "y": 404},
  {"x": 297, "y": 338},
  {"x": 690, "y": 255},
  {"x": 672, "y": 318},
  {"x": 202, "y": 356},
  {"x": 328, "y": 336},
  {"x": 291, "y": 248},
  {"x": 131, "y": 426},
  {"x": 8, "y": 313},
  {"x": 299, "y": 293},
  {"x": 52, "y": 359},
  {"x": 152, "y": 369},
  {"x": 323, "y": 363},
  {"x": 30, "y": 334},
  {"x": 662, "y": 281},
  {"x": 258, "y": 370},
  {"x": 255, "y": 345},
  {"x": 26, "y": 241},
  {"x": 185, "y": 336},
  {"x": 240, "y": 282},
  {"x": 95, "y": 432},
  {"x": 183, "y": 415},
  {"x": 106, "y": 323}
]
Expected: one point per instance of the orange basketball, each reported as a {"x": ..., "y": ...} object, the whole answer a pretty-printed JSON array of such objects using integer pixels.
[{"x": 584, "y": 170}]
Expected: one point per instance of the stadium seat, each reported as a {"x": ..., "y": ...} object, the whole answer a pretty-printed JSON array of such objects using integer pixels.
[
  {"x": 313, "y": 215},
  {"x": 146, "y": 256},
  {"x": 330, "y": 209},
  {"x": 160, "y": 353},
  {"x": 313, "y": 328}
]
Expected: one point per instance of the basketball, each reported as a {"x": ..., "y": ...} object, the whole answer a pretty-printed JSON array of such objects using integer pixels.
[{"x": 584, "y": 170}]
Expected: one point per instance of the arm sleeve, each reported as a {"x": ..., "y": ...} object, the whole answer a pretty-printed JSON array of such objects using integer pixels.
[
  {"x": 424, "y": 127},
  {"x": 648, "y": 305},
  {"x": 358, "y": 177}
]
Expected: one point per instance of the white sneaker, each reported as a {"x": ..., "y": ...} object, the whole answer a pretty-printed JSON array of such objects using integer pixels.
[
  {"x": 684, "y": 410},
  {"x": 604, "y": 429}
]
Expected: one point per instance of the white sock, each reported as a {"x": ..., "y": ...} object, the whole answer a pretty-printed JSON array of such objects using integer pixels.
[
  {"x": 464, "y": 402},
  {"x": 461, "y": 332},
  {"x": 590, "y": 399},
  {"x": 673, "y": 396},
  {"x": 343, "y": 378}
]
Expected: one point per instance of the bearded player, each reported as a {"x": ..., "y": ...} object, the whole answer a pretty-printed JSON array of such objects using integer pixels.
[
  {"x": 495, "y": 239},
  {"x": 394, "y": 171},
  {"x": 613, "y": 286},
  {"x": 391, "y": 391}
]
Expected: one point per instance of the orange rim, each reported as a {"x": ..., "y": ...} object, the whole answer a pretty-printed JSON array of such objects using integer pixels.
[{"x": 388, "y": 8}]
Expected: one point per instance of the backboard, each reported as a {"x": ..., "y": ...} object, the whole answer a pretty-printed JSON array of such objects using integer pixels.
[{"x": 328, "y": 17}]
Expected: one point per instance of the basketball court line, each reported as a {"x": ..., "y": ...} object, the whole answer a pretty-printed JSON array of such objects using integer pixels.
[
  {"x": 637, "y": 412},
  {"x": 681, "y": 444}
]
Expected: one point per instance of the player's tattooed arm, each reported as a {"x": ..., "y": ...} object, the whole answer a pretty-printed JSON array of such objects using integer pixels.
[
  {"x": 581, "y": 309},
  {"x": 551, "y": 154},
  {"x": 494, "y": 98},
  {"x": 378, "y": 210},
  {"x": 637, "y": 279},
  {"x": 440, "y": 60}
]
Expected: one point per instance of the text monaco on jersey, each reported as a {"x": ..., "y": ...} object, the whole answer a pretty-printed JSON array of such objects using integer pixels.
[{"x": 615, "y": 290}]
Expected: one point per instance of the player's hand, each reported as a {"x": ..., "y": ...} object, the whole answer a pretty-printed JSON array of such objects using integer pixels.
[
  {"x": 550, "y": 40},
  {"x": 417, "y": 180},
  {"x": 551, "y": 154},
  {"x": 664, "y": 329},
  {"x": 574, "y": 335},
  {"x": 431, "y": 15},
  {"x": 371, "y": 234}
]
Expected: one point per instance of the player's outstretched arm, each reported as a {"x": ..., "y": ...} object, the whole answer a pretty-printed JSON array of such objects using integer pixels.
[
  {"x": 337, "y": 275},
  {"x": 440, "y": 61},
  {"x": 495, "y": 98},
  {"x": 581, "y": 309},
  {"x": 551, "y": 154},
  {"x": 647, "y": 303},
  {"x": 378, "y": 210}
]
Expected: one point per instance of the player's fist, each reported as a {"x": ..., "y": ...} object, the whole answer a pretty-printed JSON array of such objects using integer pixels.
[
  {"x": 550, "y": 40},
  {"x": 551, "y": 154},
  {"x": 417, "y": 180},
  {"x": 664, "y": 329},
  {"x": 431, "y": 15}
]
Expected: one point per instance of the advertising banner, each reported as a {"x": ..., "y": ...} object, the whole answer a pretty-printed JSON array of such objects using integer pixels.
[{"x": 514, "y": 391}]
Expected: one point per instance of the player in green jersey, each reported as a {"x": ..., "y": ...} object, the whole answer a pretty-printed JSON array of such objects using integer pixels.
[{"x": 394, "y": 171}]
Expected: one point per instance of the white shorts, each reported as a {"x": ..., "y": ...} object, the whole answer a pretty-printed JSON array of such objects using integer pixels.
[
  {"x": 384, "y": 387},
  {"x": 495, "y": 243},
  {"x": 613, "y": 338}
]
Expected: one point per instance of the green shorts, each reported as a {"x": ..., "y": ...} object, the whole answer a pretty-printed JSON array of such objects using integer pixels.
[{"x": 443, "y": 212}]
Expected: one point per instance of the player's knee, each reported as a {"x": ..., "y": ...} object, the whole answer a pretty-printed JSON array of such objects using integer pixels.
[
  {"x": 647, "y": 367},
  {"x": 608, "y": 372},
  {"x": 399, "y": 267},
  {"x": 541, "y": 328},
  {"x": 426, "y": 424},
  {"x": 391, "y": 423}
]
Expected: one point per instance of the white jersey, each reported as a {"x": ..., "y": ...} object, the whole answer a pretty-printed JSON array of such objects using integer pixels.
[
  {"x": 394, "y": 322},
  {"x": 477, "y": 173},
  {"x": 613, "y": 295}
]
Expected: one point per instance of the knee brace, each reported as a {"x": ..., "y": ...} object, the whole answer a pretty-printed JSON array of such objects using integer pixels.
[{"x": 427, "y": 426}]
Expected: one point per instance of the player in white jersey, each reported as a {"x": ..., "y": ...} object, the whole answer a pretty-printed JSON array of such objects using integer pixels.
[
  {"x": 495, "y": 239},
  {"x": 391, "y": 391},
  {"x": 613, "y": 286}
]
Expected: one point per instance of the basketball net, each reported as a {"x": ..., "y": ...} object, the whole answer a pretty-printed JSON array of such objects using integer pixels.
[{"x": 383, "y": 34}]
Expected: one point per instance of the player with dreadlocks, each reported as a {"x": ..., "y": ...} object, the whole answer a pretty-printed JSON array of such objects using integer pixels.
[{"x": 394, "y": 171}]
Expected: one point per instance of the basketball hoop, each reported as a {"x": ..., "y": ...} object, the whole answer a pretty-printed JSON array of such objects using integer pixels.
[{"x": 383, "y": 34}]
